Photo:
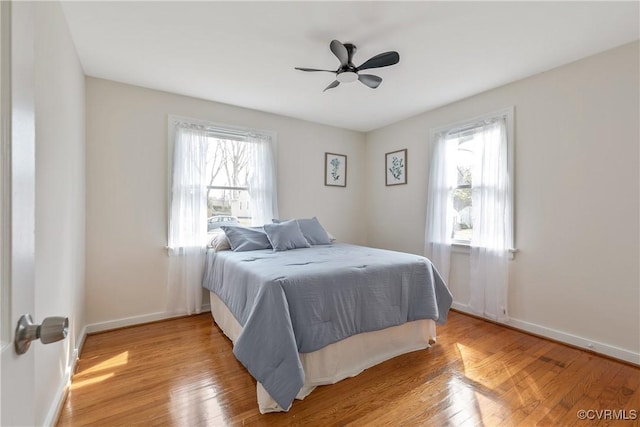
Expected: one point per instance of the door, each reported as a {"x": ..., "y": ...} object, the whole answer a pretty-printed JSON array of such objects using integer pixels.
[{"x": 17, "y": 207}]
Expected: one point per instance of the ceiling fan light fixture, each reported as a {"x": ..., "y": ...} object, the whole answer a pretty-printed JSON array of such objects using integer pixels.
[{"x": 347, "y": 77}]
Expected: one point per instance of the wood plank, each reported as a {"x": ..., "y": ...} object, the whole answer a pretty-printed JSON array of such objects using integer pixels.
[
  {"x": 567, "y": 408},
  {"x": 183, "y": 372}
]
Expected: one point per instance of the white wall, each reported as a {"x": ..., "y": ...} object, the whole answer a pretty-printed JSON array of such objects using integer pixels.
[
  {"x": 127, "y": 188},
  {"x": 60, "y": 204},
  {"x": 577, "y": 194}
]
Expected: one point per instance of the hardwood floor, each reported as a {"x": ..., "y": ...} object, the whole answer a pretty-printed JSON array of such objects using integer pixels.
[{"x": 182, "y": 372}]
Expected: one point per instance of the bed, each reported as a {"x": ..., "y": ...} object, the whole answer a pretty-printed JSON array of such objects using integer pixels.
[{"x": 318, "y": 314}]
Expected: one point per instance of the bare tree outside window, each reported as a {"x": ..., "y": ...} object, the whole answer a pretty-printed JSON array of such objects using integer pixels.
[
  {"x": 462, "y": 201},
  {"x": 227, "y": 190}
]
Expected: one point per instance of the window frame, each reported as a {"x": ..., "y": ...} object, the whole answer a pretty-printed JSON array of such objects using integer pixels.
[
  {"x": 222, "y": 130},
  {"x": 508, "y": 114}
]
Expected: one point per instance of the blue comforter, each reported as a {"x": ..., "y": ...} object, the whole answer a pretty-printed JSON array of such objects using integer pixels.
[{"x": 301, "y": 300}]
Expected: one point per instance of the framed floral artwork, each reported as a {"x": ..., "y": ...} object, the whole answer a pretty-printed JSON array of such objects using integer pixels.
[
  {"x": 335, "y": 170},
  {"x": 396, "y": 167}
]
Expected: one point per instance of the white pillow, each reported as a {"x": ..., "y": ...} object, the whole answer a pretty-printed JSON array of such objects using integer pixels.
[{"x": 219, "y": 242}]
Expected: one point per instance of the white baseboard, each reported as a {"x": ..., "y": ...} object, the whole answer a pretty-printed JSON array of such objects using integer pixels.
[
  {"x": 137, "y": 320},
  {"x": 574, "y": 340},
  {"x": 56, "y": 406},
  {"x": 79, "y": 344}
]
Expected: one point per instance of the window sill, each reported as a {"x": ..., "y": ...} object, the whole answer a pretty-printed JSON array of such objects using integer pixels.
[
  {"x": 465, "y": 248},
  {"x": 461, "y": 248}
]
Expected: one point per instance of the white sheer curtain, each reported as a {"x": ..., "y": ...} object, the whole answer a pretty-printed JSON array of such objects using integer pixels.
[
  {"x": 262, "y": 179},
  {"x": 188, "y": 211},
  {"x": 442, "y": 181},
  {"x": 188, "y": 220},
  {"x": 492, "y": 223}
]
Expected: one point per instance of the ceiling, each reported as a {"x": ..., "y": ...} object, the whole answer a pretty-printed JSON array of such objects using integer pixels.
[{"x": 244, "y": 53}]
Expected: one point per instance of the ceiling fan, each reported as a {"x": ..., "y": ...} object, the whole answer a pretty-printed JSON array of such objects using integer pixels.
[{"x": 347, "y": 72}]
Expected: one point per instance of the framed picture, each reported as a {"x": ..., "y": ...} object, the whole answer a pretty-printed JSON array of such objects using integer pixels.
[
  {"x": 335, "y": 169},
  {"x": 395, "y": 166}
]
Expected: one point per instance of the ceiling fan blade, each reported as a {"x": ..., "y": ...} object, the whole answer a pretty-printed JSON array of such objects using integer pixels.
[
  {"x": 332, "y": 85},
  {"x": 312, "y": 69},
  {"x": 382, "y": 60},
  {"x": 370, "y": 80},
  {"x": 340, "y": 52}
]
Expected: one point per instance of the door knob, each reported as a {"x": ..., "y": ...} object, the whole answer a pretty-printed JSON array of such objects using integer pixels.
[{"x": 51, "y": 330}]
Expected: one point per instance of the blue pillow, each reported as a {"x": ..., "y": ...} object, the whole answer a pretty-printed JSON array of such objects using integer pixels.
[
  {"x": 312, "y": 231},
  {"x": 246, "y": 238},
  {"x": 286, "y": 235}
]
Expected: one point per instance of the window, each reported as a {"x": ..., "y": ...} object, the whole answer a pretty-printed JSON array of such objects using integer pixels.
[
  {"x": 475, "y": 176},
  {"x": 227, "y": 188},
  {"x": 470, "y": 202},
  {"x": 221, "y": 175},
  {"x": 462, "y": 201}
]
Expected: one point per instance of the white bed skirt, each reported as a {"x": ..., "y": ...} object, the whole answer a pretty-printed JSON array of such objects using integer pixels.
[{"x": 340, "y": 360}]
